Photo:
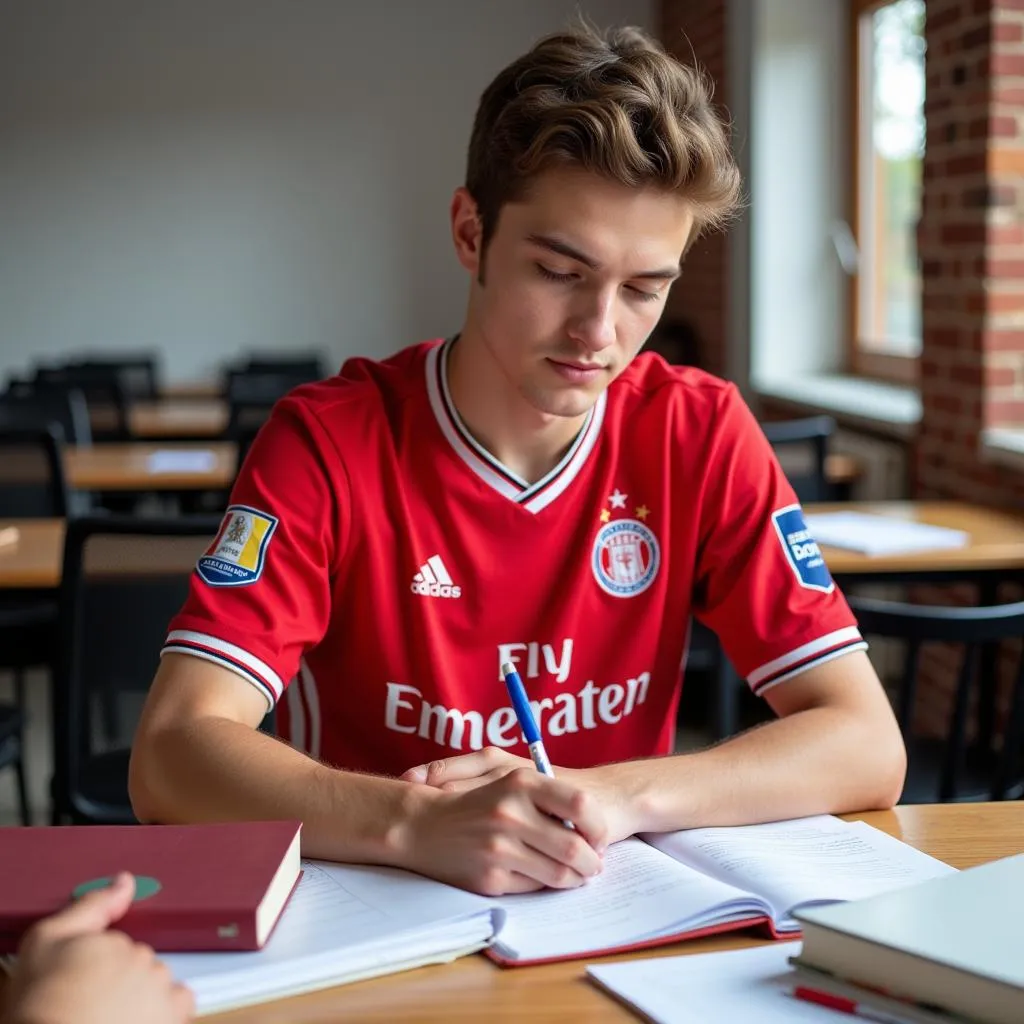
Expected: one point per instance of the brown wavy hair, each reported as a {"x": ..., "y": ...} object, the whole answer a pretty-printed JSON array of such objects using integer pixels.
[{"x": 614, "y": 103}]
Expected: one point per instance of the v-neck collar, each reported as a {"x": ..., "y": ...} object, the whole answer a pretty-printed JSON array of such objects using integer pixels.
[{"x": 533, "y": 497}]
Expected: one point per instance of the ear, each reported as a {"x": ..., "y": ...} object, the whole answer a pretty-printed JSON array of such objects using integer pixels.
[{"x": 467, "y": 231}]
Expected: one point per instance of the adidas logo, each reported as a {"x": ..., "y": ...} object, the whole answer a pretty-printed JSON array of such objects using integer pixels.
[{"x": 433, "y": 580}]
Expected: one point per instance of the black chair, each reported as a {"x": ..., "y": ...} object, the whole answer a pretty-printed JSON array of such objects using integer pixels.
[
  {"x": 251, "y": 397},
  {"x": 137, "y": 373},
  {"x": 802, "y": 448},
  {"x": 302, "y": 368},
  {"x": 32, "y": 485},
  {"x": 13, "y": 718},
  {"x": 952, "y": 768},
  {"x": 32, "y": 481},
  {"x": 26, "y": 407},
  {"x": 104, "y": 393},
  {"x": 123, "y": 580}
]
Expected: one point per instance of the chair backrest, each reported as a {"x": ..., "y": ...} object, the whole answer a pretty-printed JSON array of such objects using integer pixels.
[
  {"x": 972, "y": 628},
  {"x": 302, "y": 368},
  {"x": 124, "y": 577},
  {"x": 104, "y": 394},
  {"x": 137, "y": 374},
  {"x": 32, "y": 481},
  {"x": 251, "y": 397},
  {"x": 27, "y": 407},
  {"x": 802, "y": 449}
]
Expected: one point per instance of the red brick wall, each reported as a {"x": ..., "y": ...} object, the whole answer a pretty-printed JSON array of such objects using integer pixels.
[
  {"x": 972, "y": 246},
  {"x": 696, "y": 28},
  {"x": 971, "y": 240}
]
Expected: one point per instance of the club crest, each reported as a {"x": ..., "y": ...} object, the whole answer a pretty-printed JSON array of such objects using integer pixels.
[
  {"x": 237, "y": 556},
  {"x": 625, "y": 558}
]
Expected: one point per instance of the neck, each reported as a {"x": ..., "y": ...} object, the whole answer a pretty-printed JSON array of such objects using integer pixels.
[{"x": 524, "y": 440}]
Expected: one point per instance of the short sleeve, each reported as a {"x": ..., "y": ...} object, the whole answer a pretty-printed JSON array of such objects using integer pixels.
[
  {"x": 260, "y": 596},
  {"x": 761, "y": 583}
]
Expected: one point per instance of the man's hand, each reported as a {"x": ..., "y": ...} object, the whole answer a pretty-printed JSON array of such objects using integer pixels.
[
  {"x": 503, "y": 835},
  {"x": 609, "y": 785},
  {"x": 72, "y": 970}
]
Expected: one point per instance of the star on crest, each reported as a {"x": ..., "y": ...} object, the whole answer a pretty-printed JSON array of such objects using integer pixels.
[
  {"x": 618, "y": 499},
  {"x": 642, "y": 512},
  {"x": 605, "y": 515}
]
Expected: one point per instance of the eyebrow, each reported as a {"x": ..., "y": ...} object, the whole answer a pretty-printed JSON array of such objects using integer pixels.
[{"x": 561, "y": 248}]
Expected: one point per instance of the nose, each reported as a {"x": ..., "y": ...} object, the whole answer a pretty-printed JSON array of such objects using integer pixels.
[{"x": 593, "y": 323}]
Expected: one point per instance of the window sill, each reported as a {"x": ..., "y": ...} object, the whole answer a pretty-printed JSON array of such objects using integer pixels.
[
  {"x": 1004, "y": 445},
  {"x": 890, "y": 409}
]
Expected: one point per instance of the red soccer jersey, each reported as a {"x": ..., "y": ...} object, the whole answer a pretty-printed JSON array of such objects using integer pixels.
[{"x": 376, "y": 567}]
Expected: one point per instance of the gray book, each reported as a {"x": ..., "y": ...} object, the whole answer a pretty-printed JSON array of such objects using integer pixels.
[{"x": 954, "y": 943}]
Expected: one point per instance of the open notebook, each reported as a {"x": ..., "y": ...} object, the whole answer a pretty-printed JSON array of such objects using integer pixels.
[
  {"x": 696, "y": 882},
  {"x": 349, "y": 922}
]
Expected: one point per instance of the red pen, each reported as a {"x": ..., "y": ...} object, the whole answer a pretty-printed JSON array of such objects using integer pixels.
[{"x": 844, "y": 1005}]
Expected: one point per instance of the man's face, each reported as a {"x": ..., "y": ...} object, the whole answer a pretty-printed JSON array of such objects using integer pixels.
[{"x": 574, "y": 279}]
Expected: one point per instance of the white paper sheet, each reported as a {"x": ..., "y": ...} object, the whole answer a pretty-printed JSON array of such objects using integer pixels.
[
  {"x": 881, "y": 535},
  {"x": 172, "y": 460},
  {"x": 745, "y": 985}
]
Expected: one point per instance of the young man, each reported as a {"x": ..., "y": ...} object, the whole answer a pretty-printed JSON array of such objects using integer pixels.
[
  {"x": 527, "y": 491},
  {"x": 76, "y": 968}
]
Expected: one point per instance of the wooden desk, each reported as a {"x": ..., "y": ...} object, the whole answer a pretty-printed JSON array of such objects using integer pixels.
[
  {"x": 34, "y": 560},
  {"x": 127, "y": 467},
  {"x": 189, "y": 389},
  {"x": 996, "y": 542},
  {"x": 842, "y": 469},
  {"x": 198, "y": 417},
  {"x": 474, "y": 989}
]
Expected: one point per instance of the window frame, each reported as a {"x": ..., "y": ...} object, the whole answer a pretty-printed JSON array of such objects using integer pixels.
[{"x": 865, "y": 361}]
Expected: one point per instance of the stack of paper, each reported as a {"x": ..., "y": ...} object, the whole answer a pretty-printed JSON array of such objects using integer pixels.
[
  {"x": 881, "y": 535},
  {"x": 722, "y": 988},
  {"x": 343, "y": 923}
]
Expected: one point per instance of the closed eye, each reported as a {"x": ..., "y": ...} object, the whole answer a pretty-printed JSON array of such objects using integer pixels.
[
  {"x": 643, "y": 294},
  {"x": 551, "y": 275}
]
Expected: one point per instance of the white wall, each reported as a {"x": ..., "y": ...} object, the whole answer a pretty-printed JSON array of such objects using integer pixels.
[
  {"x": 205, "y": 176},
  {"x": 798, "y": 178}
]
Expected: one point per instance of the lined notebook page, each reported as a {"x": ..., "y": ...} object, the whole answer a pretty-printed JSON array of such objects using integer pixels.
[
  {"x": 815, "y": 859},
  {"x": 640, "y": 894}
]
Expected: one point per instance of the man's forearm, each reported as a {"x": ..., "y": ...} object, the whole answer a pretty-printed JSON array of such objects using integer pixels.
[
  {"x": 818, "y": 761},
  {"x": 214, "y": 769}
]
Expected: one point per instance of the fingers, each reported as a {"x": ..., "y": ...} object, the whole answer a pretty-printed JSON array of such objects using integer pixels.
[
  {"x": 567, "y": 803},
  {"x": 461, "y": 767},
  {"x": 183, "y": 1001},
  {"x": 94, "y": 912}
]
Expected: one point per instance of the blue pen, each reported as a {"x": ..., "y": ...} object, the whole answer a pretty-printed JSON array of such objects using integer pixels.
[{"x": 524, "y": 714}]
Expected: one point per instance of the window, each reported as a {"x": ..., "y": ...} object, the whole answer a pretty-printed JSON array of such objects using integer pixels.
[{"x": 888, "y": 45}]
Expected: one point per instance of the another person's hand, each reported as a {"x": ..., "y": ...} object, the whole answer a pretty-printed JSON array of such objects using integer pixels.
[
  {"x": 608, "y": 785},
  {"x": 505, "y": 835},
  {"x": 72, "y": 969}
]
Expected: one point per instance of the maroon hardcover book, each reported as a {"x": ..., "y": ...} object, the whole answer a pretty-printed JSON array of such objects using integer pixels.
[{"x": 198, "y": 887}]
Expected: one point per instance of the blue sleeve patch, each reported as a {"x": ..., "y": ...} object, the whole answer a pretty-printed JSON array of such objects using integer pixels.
[{"x": 801, "y": 549}]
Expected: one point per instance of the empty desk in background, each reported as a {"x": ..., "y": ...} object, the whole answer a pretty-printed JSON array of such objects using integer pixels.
[
  {"x": 188, "y": 390},
  {"x": 141, "y": 466},
  {"x": 34, "y": 560},
  {"x": 995, "y": 547},
  {"x": 178, "y": 418}
]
